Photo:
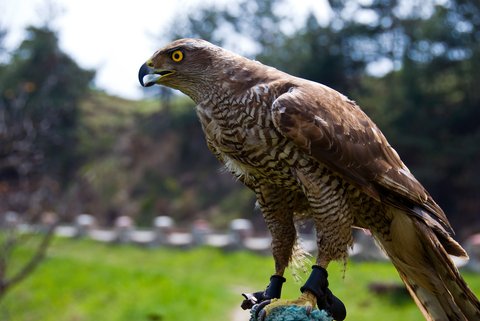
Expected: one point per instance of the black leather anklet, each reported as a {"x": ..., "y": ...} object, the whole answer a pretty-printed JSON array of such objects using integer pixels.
[
  {"x": 274, "y": 289},
  {"x": 317, "y": 283}
]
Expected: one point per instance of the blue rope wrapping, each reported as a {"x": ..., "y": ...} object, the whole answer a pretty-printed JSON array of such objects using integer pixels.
[{"x": 292, "y": 313}]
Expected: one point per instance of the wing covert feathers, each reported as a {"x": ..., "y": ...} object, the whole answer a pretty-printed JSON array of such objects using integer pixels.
[{"x": 335, "y": 131}]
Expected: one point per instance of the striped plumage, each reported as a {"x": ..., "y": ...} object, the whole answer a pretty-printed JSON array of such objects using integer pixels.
[{"x": 308, "y": 151}]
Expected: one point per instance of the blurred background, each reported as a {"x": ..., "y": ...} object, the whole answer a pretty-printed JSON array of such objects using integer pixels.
[{"x": 84, "y": 151}]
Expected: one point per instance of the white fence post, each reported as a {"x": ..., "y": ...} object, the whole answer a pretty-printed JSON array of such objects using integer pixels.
[
  {"x": 83, "y": 225},
  {"x": 162, "y": 227},
  {"x": 240, "y": 230},
  {"x": 123, "y": 229}
]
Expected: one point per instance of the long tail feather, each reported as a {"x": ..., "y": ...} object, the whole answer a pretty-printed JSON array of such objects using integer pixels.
[{"x": 427, "y": 271}]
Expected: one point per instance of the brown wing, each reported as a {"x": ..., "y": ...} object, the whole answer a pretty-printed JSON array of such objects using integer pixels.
[{"x": 337, "y": 133}]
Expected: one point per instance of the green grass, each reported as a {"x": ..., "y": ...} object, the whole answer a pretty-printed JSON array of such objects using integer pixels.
[{"x": 84, "y": 280}]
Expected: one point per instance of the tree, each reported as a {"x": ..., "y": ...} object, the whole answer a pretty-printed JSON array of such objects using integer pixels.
[
  {"x": 318, "y": 53},
  {"x": 246, "y": 26},
  {"x": 439, "y": 80},
  {"x": 428, "y": 104},
  {"x": 40, "y": 92},
  {"x": 40, "y": 89}
]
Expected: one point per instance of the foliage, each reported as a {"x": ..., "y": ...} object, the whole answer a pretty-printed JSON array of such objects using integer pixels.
[
  {"x": 82, "y": 280},
  {"x": 40, "y": 90},
  {"x": 3, "y": 34},
  {"x": 252, "y": 21}
]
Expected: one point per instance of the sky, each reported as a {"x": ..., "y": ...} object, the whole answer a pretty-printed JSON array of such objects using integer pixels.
[{"x": 113, "y": 37}]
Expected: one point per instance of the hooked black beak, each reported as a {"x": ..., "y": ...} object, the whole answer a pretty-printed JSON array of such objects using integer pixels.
[{"x": 147, "y": 76}]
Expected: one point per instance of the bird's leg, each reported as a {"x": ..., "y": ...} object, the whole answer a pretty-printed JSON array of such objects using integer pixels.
[
  {"x": 279, "y": 219},
  {"x": 333, "y": 234},
  {"x": 283, "y": 239},
  {"x": 317, "y": 285},
  {"x": 333, "y": 239}
]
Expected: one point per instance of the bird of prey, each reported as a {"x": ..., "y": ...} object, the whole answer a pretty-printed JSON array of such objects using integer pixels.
[{"x": 306, "y": 150}]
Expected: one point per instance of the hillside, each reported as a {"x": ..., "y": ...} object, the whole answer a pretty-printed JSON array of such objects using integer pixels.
[{"x": 143, "y": 159}]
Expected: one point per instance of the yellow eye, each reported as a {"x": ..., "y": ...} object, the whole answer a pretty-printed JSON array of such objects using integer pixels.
[{"x": 177, "y": 55}]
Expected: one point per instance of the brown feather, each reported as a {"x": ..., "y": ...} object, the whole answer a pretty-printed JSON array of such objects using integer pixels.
[
  {"x": 426, "y": 269},
  {"x": 335, "y": 131}
]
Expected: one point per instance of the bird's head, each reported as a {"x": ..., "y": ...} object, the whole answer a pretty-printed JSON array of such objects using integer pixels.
[
  {"x": 184, "y": 64},
  {"x": 198, "y": 69}
]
